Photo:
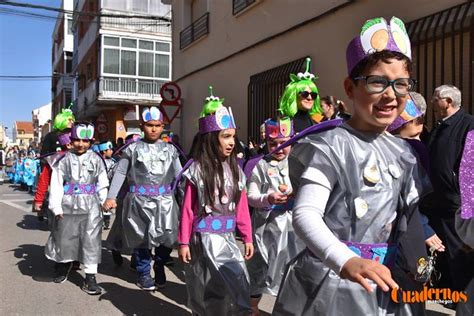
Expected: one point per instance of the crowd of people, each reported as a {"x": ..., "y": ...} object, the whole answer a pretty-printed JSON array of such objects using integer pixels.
[{"x": 339, "y": 209}]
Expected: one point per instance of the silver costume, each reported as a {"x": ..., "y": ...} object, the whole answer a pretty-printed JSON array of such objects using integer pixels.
[
  {"x": 377, "y": 177},
  {"x": 217, "y": 281},
  {"x": 77, "y": 236},
  {"x": 275, "y": 241},
  {"x": 150, "y": 220}
]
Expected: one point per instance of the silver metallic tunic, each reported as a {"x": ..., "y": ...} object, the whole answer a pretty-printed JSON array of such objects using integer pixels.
[
  {"x": 274, "y": 238},
  {"x": 77, "y": 236},
  {"x": 217, "y": 281},
  {"x": 378, "y": 171},
  {"x": 150, "y": 220}
]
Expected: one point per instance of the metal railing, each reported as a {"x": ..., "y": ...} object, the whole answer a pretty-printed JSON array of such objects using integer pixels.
[
  {"x": 443, "y": 51},
  {"x": 240, "y": 5},
  {"x": 195, "y": 31},
  {"x": 264, "y": 91},
  {"x": 129, "y": 88},
  {"x": 136, "y": 24}
]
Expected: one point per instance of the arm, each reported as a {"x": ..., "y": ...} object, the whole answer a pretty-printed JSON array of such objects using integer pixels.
[
  {"x": 57, "y": 192},
  {"x": 187, "y": 214},
  {"x": 244, "y": 225},
  {"x": 256, "y": 197},
  {"x": 118, "y": 179},
  {"x": 43, "y": 184}
]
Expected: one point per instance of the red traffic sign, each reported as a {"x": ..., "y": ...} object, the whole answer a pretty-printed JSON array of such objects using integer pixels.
[{"x": 170, "y": 93}]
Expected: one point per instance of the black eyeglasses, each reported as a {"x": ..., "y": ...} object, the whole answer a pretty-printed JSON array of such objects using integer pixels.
[
  {"x": 378, "y": 84},
  {"x": 306, "y": 94}
]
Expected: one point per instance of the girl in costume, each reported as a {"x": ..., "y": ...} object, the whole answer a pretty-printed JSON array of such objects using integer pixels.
[
  {"x": 300, "y": 100},
  {"x": 106, "y": 150},
  {"x": 78, "y": 187},
  {"x": 215, "y": 203},
  {"x": 150, "y": 211},
  {"x": 368, "y": 185},
  {"x": 30, "y": 171},
  {"x": 271, "y": 195}
]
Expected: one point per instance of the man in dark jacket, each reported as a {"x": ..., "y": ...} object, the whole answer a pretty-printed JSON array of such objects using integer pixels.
[{"x": 445, "y": 146}]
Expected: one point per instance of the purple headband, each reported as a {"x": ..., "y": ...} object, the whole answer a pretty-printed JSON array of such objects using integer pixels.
[
  {"x": 64, "y": 139},
  {"x": 280, "y": 128},
  {"x": 410, "y": 113},
  {"x": 83, "y": 131},
  {"x": 378, "y": 35},
  {"x": 220, "y": 120}
]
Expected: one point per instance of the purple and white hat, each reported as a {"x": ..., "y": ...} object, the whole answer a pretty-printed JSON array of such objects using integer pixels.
[
  {"x": 152, "y": 113},
  {"x": 280, "y": 128},
  {"x": 410, "y": 113},
  {"x": 84, "y": 131},
  {"x": 215, "y": 116},
  {"x": 377, "y": 35}
]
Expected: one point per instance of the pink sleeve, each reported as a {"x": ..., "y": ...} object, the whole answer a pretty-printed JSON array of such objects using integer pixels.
[
  {"x": 244, "y": 224},
  {"x": 187, "y": 214}
]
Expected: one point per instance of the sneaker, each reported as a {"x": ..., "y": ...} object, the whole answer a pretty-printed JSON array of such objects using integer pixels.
[
  {"x": 62, "y": 272},
  {"x": 90, "y": 285},
  {"x": 160, "y": 276},
  {"x": 145, "y": 282},
  {"x": 117, "y": 257}
]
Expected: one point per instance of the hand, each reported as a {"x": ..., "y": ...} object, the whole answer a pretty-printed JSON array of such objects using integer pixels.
[
  {"x": 109, "y": 204},
  {"x": 436, "y": 243},
  {"x": 251, "y": 145},
  {"x": 357, "y": 270},
  {"x": 248, "y": 250},
  {"x": 184, "y": 254},
  {"x": 277, "y": 198},
  {"x": 59, "y": 216},
  {"x": 37, "y": 207}
]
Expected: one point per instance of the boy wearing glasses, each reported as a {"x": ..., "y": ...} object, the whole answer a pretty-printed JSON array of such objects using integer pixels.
[
  {"x": 150, "y": 211},
  {"x": 357, "y": 191}
]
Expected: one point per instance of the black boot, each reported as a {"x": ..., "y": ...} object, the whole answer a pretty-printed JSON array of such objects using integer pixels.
[
  {"x": 62, "y": 271},
  {"x": 90, "y": 285},
  {"x": 117, "y": 257}
]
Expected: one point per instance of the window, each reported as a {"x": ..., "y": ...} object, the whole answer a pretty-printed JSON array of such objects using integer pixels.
[
  {"x": 162, "y": 66},
  {"x": 240, "y": 5},
  {"x": 136, "y": 58},
  {"x": 70, "y": 29},
  {"x": 68, "y": 62}
]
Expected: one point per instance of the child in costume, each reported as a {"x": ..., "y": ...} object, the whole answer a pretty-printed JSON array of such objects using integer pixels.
[
  {"x": 45, "y": 176},
  {"x": 150, "y": 212},
  {"x": 78, "y": 186},
  {"x": 300, "y": 100},
  {"x": 271, "y": 195},
  {"x": 106, "y": 150},
  {"x": 358, "y": 189},
  {"x": 30, "y": 171},
  {"x": 63, "y": 123},
  {"x": 215, "y": 203}
]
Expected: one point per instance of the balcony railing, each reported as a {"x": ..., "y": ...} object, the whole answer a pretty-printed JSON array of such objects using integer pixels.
[
  {"x": 136, "y": 24},
  {"x": 240, "y": 5},
  {"x": 129, "y": 88},
  {"x": 195, "y": 31}
]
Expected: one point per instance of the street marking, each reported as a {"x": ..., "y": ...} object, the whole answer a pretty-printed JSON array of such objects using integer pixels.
[{"x": 18, "y": 206}]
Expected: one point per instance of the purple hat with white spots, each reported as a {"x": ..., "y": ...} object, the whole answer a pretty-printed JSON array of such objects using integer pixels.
[{"x": 377, "y": 35}]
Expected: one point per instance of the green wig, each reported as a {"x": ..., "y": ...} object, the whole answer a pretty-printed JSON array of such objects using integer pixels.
[
  {"x": 212, "y": 104},
  {"x": 289, "y": 100},
  {"x": 61, "y": 120}
]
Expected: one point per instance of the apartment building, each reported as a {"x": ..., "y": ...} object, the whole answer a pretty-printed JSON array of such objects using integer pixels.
[
  {"x": 247, "y": 48},
  {"x": 41, "y": 118},
  {"x": 122, "y": 57},
  {"x": 23, "y": 134},
  {"x": 62, "y": 78}
]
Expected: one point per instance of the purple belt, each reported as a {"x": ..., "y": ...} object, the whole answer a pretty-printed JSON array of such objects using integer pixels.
[
  {"x": 76, "y": 188},
  {"x": 150, "y": 189},
  {"x": 215, "y": 224},
  {"x": 383, "y": 253}
]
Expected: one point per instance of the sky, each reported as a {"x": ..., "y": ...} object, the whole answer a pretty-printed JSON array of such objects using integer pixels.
[{"x": 25, "y": 49}]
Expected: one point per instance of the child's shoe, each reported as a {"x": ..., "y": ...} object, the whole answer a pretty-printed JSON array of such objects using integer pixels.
[
  {"x": 90, "y": 285},
  {"x": 145, "y": 282},
  {"x": 62, "y": 271}
]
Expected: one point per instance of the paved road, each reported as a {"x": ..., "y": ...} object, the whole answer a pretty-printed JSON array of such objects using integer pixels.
[{"x": 25, "y": 278}]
